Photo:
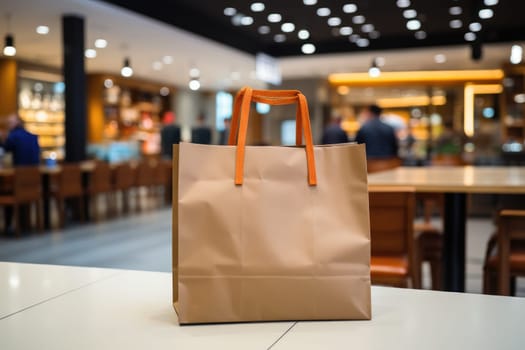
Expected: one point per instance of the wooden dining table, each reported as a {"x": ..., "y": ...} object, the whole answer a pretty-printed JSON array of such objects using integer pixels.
[{"x": 455, "y": 183}]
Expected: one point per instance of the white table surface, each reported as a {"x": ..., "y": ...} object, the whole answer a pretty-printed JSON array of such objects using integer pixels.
[{"x": 86, "y": 308}]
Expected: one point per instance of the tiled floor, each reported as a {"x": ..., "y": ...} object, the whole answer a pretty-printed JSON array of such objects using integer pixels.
[{"x": 143, "y": 242}]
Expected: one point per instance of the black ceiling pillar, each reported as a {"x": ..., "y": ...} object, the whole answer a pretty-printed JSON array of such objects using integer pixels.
[{"x": 75, "y": 92}]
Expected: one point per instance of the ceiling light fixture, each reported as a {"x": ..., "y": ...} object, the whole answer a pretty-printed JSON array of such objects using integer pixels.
[
  {"x": 403, "y": 3},
  {"x": 455, "y": 10},
  {"x": 230, "y": 11},
  {"x": 274, "y": 18},
  {"x": 309, "y": 2},
  {"x": 413, "y": 24},
  {"x": 475, "y": 26},
  {"x": 279, "y": 38},
  {"x": 362, "y": 42},
  {"x": 264, "y": 30},
  {"x": 346, "y": 30},
  {"x": 101, "y": 43},
  {"x": 288, "y": 27},
  {"x": 9, "y": 41},
  {"x": 354, "y": 37},
  {"x": 374, "y": 34},
  {"x": 410, "y": 14},
  {"x": 334, "y": 21},
  {"x": 126, "y": 70},
  {"x": 367, "y": 28},
  {"x": 440, "y": 58},
  {"x": 350, "y": 8},
  {"x": 485, "y": 13},
  {"x": 246, "y": 20},
  {"x": 516, "y": 54},
  {"x": 303, "y": 34},
  {"x": 359, "y": 19},
  {"x": 323, "y": 12},
  {"x": 455, "y": 24},
  {"x": 490, "y": 2},
  {"x": 90, "y": 53},
  {"x": 470, "y": 36},
  {"x": 420, "y": 35},
  {"x": 42, "y": 30},
  {"x": 257, "y": 7},
  {"x": 308, "y": 48},
  {"x": 194, "y": 84}
]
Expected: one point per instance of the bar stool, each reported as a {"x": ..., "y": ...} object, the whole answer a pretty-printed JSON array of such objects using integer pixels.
[{"x": 26, "y": 190}]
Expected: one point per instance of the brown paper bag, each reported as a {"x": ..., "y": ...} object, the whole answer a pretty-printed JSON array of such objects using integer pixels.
[{"x": 270, "y": 233}]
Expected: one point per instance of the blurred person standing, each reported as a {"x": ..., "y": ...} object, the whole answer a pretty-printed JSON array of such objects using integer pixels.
[
  {"x": 22, "y": 144},
  {"x": 169, "y": 135},
  {"x": 201, "y": 133},
  {"x": 380, "y": 138},
  {"x": 333, "y": 133},
  {"x": 225, "y": 133}
]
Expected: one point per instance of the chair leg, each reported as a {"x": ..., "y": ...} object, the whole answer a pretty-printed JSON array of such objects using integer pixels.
[
  {"x": 39, "y": 216},
  {"x": 16, "y": 219},
  {"x": 61, "y": 207},
  {"x": 512, "y": 285},
  {"x": 489, "y": 282},
  {"x": 81, "y": 212}
]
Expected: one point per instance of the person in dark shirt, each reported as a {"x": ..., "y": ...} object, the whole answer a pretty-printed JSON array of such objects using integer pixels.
[
  {"x": 380, "y": 138},
  {"x": 169, "y": 135},
  {"x": 225, "y": 134},
  {"x": 22, "y": 144},
  {"x": 333, "y": 133},
  {"x": 201, "y": 133}
]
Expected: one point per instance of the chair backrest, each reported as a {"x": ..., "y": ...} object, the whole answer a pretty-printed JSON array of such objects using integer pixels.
[
  {"x": 145, "y": 173},
  {"x": 123, "y": 176},
  {"x": 511, "y": 228},
  {"x": 392, "y": 221},
  {"x": 447, "y": 160},
  {"x": 70, "y": 180},
  {"x": 27, "y": 184},
  {"x": 375, "y": 165},
  {"x": 100, "y": 178}
]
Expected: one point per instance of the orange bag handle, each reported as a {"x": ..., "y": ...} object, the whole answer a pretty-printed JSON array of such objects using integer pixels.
[{"x": 241, "y": 115}]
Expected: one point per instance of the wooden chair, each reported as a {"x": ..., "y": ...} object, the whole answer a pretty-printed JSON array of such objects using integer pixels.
[
  {"x": 375, "y": 165},
  {"x": 505, "y": 255},
  {"x": 145, "y": 179},
  {"x": 100, "y": 184},
  {"x": 65, "y": 185},
  {"x": 393, "y": 260},
  {"x": 26, "y": 190},
  {"x": 123, "y": 181}
]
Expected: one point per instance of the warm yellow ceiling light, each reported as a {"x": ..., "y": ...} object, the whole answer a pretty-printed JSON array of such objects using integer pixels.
[
  {"x": 418, "y": 77},
  {"x": 411, "y": 101},
  {"x": 343, "y": 90},
  {"x": 470, "y": 91}
]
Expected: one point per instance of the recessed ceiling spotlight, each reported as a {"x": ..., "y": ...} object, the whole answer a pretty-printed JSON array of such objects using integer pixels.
[
  {"x": 308, "y": 49},
  {"x": 230, "y": 11},
  {"x": 470, "y": 36},
  {"x": 288, "y": 27},
  {"x": 257, "y": 7},
  {"x": 90, "y": 53},
  {"x": 359, "y": 19},
  {"x": 309, "y": 2},
  {"x": 274, "y": 18},
  {"x": 403, "y": 3},
  {"x": 323, "y": 12},
  {"x": 303, "y": 34},
  {"x": 237, "y": 19},
  {"x": 362, "y": 42},
  {"x": 440, "y": 58},
  {"x": 101, "y": 43},
  {"x": 410, "y": 13},
  {"x": 345, "y": 30},
  {"x": 485, "y": 13},
  {"x": 264, "y": 30},
  {"x": 420, "y": 35},
  {"x": 126, "y": 70},
  {"x": 334, "y": 21},
  {"x": 108, "y": 83},
  {"x": 157, "y": 65},
  {"x": 367, "y": 28},
  {"x": 42, "y": 30},
  {"x": 490, "y": 2},
  {"x": 374, "y": 34},
  {"x": 246, "y": 20},
  {"x": 279, "y": 38},
  {"x": 455, "y": 24},
  {"x": 475, "y": 27},
  {"x": 354, "y": 37},
  {"x": 194, "y": 84},
  {"x": 349, "y": 8},
  {"x": 164, "y": 91},
  {"x": 455, "y": 10},
  {"x": 516, "y": 54},
  {"x": 413, "y": 24}
]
